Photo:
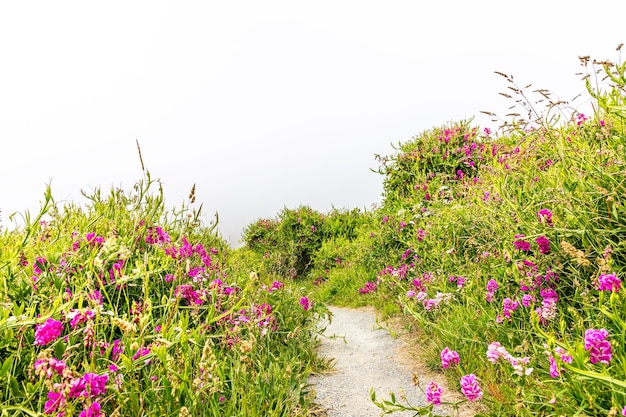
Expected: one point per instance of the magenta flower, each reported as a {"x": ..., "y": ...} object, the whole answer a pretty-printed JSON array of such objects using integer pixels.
[
  {"x": 305, "y": 303},
  {"x": 608, "y": 282},
  {"x": 598, "y": 347},
  {"x": 449, "y": 357},
  {"x": 470, "y": 387},
  {"x": 48, "y": 332},
  {"x": 92, "y": 411},
  {"x": 520, "y": 243},
  {"x": 433, "y": 393},
  {"x": 545, "y": 215},
  {"x": 544, "y": 244},
  {"x": 55, "y": 401},
  {"x": 89, "y": 385},
  {"x": 492, "y": 285}
]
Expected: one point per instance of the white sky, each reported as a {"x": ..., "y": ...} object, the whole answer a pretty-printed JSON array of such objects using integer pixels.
[{"x": 263, "y": 104}]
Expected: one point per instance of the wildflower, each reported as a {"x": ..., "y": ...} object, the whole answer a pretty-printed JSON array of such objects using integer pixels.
[
  {"x": 545, "y": 215},
  {"x": 544, "y": 244},
  {"x": 305, "y": 303},
  {"x": 608, "y": 282},
  {"x": 433, "y": 393},
  {"x": 527, "y": 299},
  {"x": 55, "y": 401},
  {"x": 92, "y": 411},
  {"x": 470, "y": 387},
  {"x": 509, "y": 306},
  {"x": 520, "y": 243},
  {"x": 449, "y": 357},
  {"x": 89, "y": 385},
  {"x": 598, "y": 347},
  {"x": 554, "y": 370},
  {"x": 492, "y": 285},
  {"x": 47, "y": 332},
  {"x": 565, "y": 356}
]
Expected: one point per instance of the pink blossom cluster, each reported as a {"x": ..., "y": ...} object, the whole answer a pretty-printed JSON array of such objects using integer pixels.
[
  {"x": 470, "y": 387},
  {"x": 368, "y": 287},
  {"x": 598, "y": 346},
  {"x": 495, "y": 352},
  {"x": 433, "y": 393},
  {"x": 492, "y": 287},
  {"x": 48, "y": 332},
  {"x": 545, "y": 215},
  {"x": 554, "y": 366},
  {"x": 449, "y": 357},
  {"x": 608, "y": 282},
  {"x": 431, "y": 303},
  {"x": 305, "y": 303}
]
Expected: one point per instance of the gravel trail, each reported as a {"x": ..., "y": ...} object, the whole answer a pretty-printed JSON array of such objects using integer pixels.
[{"x": 365, "y": 357}]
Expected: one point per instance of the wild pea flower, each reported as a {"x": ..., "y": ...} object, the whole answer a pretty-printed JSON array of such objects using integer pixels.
[
  {"x": 470, "y": 387},
  {"x": 545, "y": 215},
  {"x": 520, "y": 243},
  {"x": 449, "y": 357},
  {"x": 92, "y": 410},
  {"x": 509, "y": 306},
  {"x": 544, "y": 244},
  {"x": 305, "y": 303},
  {"x": 368, "y": 287},
  {"x": 608, "y": 282},
  {"x": 580, "y": 119},
  {"x": 433, "y": 303},
  {"x": 47, "y": 367},
  {"x": 527, "y": 300},
  {"x": 433, "y": 393},
  {"x": 89, "y": 385},
  {"x": 496, "y": 351},
  {"x": 48, "y": 332},
  {"x": 598, "y": 347},
  {"x": 56, "y": 401}
]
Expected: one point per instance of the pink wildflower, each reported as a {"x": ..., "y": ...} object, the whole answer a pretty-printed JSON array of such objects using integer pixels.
[
  {"x": 545, "y": 215},
  {"x": 449, "y": 357},
  {"x": 544, "y": 244},
  {"x": 598, "y": 347},
  {"x": 470, "y": 387},
  {"x": 520, "y": 243},
  {"x": 48, "y": 332},
  {"x": 608, "y": 282},
  {"x": 433, "y": 393},
  {"x": 305, "y": 303}
]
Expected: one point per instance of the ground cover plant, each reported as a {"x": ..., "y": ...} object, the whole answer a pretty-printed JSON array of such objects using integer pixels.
[
  {"x": 124, "y": 308},
  {"x": 506, "y": 250}
]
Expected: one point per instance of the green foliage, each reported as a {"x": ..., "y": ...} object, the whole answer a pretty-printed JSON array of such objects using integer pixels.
[{"x": 126, "y": 308}]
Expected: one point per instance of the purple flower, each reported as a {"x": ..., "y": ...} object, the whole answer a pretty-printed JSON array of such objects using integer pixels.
[
  {"x": 89, "y": 385},
  {"x": 598, "y": 347},
  {"x": 48, "y": 332},
  {"x": 305, "y": 303},
  {"x": 492, "y": 285},
  {"x": 92, "y": 411},
  {"x": 449, "y": 357},
  {"x": 608, "y": 282},
  {"x": 433, "y": 393},
  {"x": 520, "y": 243},
  {"x": 545, "y": 215},
  {"x": 470, "y": 387},
  {"x": 544, "y": 244}
]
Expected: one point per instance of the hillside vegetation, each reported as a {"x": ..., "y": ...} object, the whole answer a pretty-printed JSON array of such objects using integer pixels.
[{"x": 507, "y": 250}]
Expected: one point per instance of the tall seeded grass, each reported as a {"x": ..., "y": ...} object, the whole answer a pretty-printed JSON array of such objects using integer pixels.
[{"x": 124, "y": 308}]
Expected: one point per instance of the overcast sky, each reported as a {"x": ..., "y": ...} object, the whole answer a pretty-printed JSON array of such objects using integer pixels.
[{"x": 263, "y": 104}]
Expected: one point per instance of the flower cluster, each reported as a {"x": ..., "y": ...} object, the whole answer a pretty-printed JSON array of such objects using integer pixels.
[
  {"x": 598, "y": 347},
  {"x": 449, "y": 357},
  {"x": 433, "y": 393},
  {"x": 608, "y": 282},
  {"x": 48, "y": 332},
  {"x": 470, "y": 387},
  {"x": 495, "y": 352}
]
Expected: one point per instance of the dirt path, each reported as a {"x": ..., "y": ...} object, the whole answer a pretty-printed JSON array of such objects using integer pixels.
[{"x": 366, "y": 356}]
